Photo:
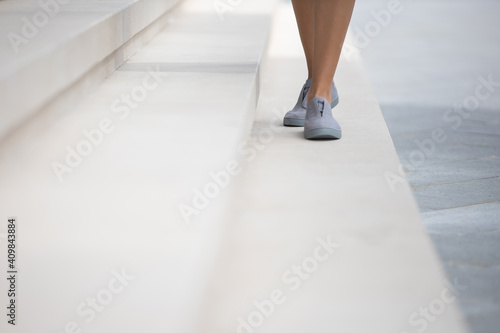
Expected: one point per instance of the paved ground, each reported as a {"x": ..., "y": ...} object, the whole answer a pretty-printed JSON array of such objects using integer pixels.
[{"x": 428, "y": 58}]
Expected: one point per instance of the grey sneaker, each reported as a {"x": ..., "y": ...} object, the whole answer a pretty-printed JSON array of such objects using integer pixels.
[
  {"x": 319, "y": 122},
  {"x": 297, "y": 116}
]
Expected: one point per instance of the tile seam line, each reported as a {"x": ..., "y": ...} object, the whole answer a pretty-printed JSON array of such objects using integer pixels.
[
  {"x": 458, "y": 207},
  {"x": 458, "y": 160},
  {"x": 451, "y": 183},
  {"x": 472, "y": 265}
]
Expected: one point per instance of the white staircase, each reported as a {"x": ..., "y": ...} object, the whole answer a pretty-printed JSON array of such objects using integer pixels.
[{"x": 144, "y": 207}]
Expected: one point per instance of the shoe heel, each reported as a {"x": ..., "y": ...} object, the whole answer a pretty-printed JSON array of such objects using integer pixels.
[{"x": 334, "y": 102}]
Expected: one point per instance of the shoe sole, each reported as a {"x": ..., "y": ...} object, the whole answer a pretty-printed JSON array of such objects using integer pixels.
[
  {"x": 296, "y": 122},
  {"x": 323, "y": 133}
]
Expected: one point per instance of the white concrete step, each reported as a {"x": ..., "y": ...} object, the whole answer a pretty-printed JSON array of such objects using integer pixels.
[
  {"x": 116, "y": 206},
  {"x": 48, "y": 45},
  {"x": 274, "y": 272}
]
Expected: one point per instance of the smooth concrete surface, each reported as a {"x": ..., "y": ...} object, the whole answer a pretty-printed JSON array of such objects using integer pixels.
[
  {"x": 293, "y": 191},
  {"x": 439, "y": 52},
  {"x": 117, "y": 212},
  {"x": 48, "y": 45}
]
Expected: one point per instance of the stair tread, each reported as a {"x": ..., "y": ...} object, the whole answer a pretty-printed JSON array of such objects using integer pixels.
[
  {"x": 36, "y": 62},
  {"x": 119, "y": 208}
]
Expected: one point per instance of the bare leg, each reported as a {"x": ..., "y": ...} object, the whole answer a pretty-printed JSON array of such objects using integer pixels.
[
  {"x": 322, "y": 26},
  {"x": 304, "y": 13},
  {"x": 331, "y": 20}
]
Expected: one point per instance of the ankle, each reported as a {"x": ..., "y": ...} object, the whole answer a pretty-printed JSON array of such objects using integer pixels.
[{"x": 314, "y": 92}]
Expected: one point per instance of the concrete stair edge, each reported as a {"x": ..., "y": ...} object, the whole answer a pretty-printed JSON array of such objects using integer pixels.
[{"x": 27, "y": 86}]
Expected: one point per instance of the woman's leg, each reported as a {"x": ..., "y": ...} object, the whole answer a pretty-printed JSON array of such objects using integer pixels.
[
  {"x": 304, "y": 13},
  {"x": 331, "y": 20}
]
